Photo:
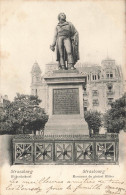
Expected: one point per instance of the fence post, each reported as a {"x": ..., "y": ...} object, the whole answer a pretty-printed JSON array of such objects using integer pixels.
[
  {"x": 13, "y": 152},
  {"x": 94, "y": 156},
  {"x": 33, "y": 144},
  {"x": 74, "y": 152},
  {"x": 53, "y": 151}
]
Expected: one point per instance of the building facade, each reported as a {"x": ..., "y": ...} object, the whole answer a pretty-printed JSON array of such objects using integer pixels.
[{"x": 104, "y": 84}]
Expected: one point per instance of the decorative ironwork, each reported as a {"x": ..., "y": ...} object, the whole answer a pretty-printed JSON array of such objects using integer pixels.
[
  {"x": 105, "y": 151},
  {"x": 84, "y": 151},
  {"x": 64, "y": 151},
  {"x": 68, "y": 149},
  {"x": 43, "y": 152},
  {"x": 23, "y": 152}
]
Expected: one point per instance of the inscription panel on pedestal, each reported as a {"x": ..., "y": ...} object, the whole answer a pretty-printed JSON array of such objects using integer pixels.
[{"x": 66, "y": 101}]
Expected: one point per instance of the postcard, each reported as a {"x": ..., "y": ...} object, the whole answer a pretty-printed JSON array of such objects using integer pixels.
[{"x": 62, "y": 97}]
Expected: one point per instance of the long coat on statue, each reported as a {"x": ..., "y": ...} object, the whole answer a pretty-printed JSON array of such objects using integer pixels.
[{"x": 74, "y": 37}]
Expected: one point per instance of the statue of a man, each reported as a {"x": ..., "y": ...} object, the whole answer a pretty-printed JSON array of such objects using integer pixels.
[{"x": 66, "y": 41}]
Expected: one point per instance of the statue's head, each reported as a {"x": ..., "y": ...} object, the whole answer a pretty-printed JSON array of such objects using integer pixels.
[{"x": 62, "y": 16}]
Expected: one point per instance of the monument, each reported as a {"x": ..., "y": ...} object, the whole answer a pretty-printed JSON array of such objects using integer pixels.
[
  {"x": 66, "y": 41},
  {"x": 66, "y": 137},
  {"x": 66, "y": 115}
]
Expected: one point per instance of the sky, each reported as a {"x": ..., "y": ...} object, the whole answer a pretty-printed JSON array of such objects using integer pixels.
[{"x": 27, "y": 29}]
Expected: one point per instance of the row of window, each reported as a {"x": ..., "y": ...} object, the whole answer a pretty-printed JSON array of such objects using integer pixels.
[
  {"x": 95, "y": 102},
  {"x": 94, "y": 77},
  {"x": 97, "y": 76},
  {"x": 95, "y": 92}
]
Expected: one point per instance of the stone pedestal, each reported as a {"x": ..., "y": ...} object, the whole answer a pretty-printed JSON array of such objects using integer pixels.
[{"x": 66, "y": 115}]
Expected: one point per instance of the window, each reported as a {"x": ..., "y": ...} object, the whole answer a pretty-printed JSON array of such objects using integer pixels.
[
  {"x": 85, "y": 103},
  {"x": 95, "y": 92},
  {"x": 109, "y": 75},
  {"x": 110, "y": 88},
  {"x": 110, "y": 100},
  {"x": 85, "y": 108},
  {"x": 85, "y": 93},
  {"x": 84, "y": 88},
  {"x": 94, "y": 77},
  {"x": 95, "y": 102},
  {"x": 98, "y": 76}
]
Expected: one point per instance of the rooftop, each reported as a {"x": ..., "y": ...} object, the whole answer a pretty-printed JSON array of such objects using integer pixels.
[
  {"x": 36, "y": 68},
  {"x": 86, "y": 67}
]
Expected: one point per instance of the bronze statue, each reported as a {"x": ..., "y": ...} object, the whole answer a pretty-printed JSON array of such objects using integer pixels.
[{"x": 66, "y": 41}]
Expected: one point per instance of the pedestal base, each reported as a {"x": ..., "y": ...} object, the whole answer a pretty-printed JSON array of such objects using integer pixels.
[
  {"x": 66, "y": 114},
  {"x": 66, "y": 125}
]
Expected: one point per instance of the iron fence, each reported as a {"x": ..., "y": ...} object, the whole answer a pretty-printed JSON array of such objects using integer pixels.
[{"x": 100, "y": 149}]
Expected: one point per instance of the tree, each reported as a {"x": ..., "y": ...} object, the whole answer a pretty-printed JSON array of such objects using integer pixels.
[
  {"x": 23, "y": 115},
  {"x": 115, "y": 118},
  {"x": 5, "y": 124},
  {"x": 93, "y": 118}
]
